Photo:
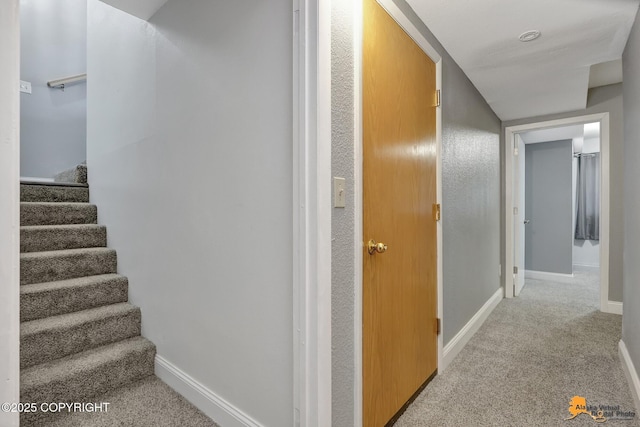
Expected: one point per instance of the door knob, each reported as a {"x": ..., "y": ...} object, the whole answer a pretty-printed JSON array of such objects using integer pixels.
[
  {"x": 527, "y": 221},
  {"x": 374, "y": 247}
]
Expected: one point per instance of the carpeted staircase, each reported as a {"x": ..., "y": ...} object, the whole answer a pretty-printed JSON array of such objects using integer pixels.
[{"x": 79, "y": 336}]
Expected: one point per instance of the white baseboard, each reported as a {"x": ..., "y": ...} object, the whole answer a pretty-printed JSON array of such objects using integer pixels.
[
  {"x": 214, "y": 406},
  {"x": 630, "y": 372},
  {"x": 544, "y": 275},
  {"x": 461, "y": 339},
  {"x": 612, "y": 307}
]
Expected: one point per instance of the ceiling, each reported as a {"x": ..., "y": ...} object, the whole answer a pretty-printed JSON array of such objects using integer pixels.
[
  {"x": 544, "y": 76},
  {"x": 553, "y": 134}
]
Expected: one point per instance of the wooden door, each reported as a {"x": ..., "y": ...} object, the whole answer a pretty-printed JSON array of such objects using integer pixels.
[{"x": 399, "y": 178}]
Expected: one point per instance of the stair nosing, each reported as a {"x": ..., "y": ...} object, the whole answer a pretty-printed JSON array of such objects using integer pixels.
[
  {"x": 56, "y": 184},
  {"x": 63, "y": 252},
  {"x": 70, "y": 283},
  {"x": 58, "y": 203},
  {"x": 61, "y": 226}
]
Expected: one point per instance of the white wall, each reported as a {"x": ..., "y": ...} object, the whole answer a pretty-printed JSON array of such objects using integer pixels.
[
  {"x": 586, "y": 253},
  {"x": 190, "y": 162},
  {"x": 9, "y": 215},
  {"x": 53, "y": 122}
]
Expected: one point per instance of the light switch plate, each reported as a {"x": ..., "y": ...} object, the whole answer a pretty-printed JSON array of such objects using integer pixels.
[
  {"x": 25, "y": 87},
  {"x": 339, "y": 192}
]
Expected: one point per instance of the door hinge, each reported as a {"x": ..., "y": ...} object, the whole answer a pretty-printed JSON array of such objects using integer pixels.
[
  {"x": 436, "y": 211},
  {"x": 438, "y": 326},
  {"x": 515, "y": 270},
  {"x": 438, "y": 98}
]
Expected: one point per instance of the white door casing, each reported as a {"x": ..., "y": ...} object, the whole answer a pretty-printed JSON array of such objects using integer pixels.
[{"x": 510, "y": 194}]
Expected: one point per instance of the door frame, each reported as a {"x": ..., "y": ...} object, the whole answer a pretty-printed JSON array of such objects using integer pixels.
[
  {"x": 521, "y": 208},
  {"x": 311, "y": 272},
  {"x": 406, "y": 24},
  {"x": 509, "y": 137},
  {"x": 9, "y": 208}
]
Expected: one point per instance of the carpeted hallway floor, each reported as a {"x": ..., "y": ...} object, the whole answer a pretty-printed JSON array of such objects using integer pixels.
[{"x": 532, "y": 355}]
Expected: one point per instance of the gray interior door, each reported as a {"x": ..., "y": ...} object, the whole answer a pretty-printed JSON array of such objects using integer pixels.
[{"x": 548, "y": 207}]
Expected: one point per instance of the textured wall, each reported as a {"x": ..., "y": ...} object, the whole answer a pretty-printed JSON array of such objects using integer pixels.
[
  {"x": 631, "y": 72},
  {"x": 549, "y": 206},
  {"x": 53, "y": 122},
  {"x": 605, "y": 99},
  {"x": 470, "y": 199},
  {"x": 343, "y": 220},
  {"x": 190, "y": 163}
]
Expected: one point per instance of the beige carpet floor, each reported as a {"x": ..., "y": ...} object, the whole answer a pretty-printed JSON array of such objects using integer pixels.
[
  {"x": 532, "y": 355},
  {"x": 146, "y": 403}
]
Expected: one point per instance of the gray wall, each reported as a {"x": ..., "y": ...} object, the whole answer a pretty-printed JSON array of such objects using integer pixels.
[
  {"x": 599, "y": 100},
  {"x": 549, "y": 207},
  {"x": 631, "y": 317},
  {"x": 53, "y": 122},
  {"x": 190, "y": 163},
  {"x": 343, "y": 220},
  {"x": 471, "y": 204}
]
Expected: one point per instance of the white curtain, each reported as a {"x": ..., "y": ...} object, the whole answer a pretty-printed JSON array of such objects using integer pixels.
[{"x": 588, "y": 197}]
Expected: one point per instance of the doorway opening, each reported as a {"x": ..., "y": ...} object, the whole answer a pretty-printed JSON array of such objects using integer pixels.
[
  {"x": 557, "y": 203},
  {"x": 53, "y": 98}
]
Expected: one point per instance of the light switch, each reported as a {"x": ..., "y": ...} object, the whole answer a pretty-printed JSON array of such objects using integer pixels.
[
  {"x": 339, "y": 190},
  {"x": 25, "y": 87}
]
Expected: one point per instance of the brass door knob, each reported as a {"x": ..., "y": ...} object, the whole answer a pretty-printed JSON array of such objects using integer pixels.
[{"x": 374, "y": 247}]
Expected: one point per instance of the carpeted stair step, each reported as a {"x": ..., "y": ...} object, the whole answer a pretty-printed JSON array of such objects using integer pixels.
[
  {"x": 47, "y": 213},
  {"x": 40, "y": 300},
  {"x": 77, "y": 174},
  {"x": 39, "y": 267},
  {"x": 52, "y": 338},
  {"x": 38, "y": 238},
  {"x": 53, "y": 193},
  {"x": 80, "y": 377}
]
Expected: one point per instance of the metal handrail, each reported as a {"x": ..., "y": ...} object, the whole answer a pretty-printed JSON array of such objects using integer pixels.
[{"x": 61, "y": 83}]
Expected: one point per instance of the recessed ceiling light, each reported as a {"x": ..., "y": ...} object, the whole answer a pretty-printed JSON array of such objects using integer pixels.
[{"x": 528, "y": 36}]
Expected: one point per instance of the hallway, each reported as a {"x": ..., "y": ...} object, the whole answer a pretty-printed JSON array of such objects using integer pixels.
[{"x": 532, "y": 355}]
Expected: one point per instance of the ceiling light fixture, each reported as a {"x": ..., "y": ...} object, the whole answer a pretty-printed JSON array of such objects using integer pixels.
[{"x": 528, "y": 36}]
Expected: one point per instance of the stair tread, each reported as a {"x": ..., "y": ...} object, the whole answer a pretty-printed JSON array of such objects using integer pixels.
[
  {"x": 54, "y": 213},
  {"x": 80, "y": 362},
  {"x": 62, "y": 227},
  {"x": 64, "y": 321},
  {"x": 45, "y": 299},
  {"x": 64, "y": 252},
  {"x": 48, "y": 266},
  {"x": 50, "y": 192},
  {"x": 53, "y": 237},
  {"x": 68, "y": 283}
]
